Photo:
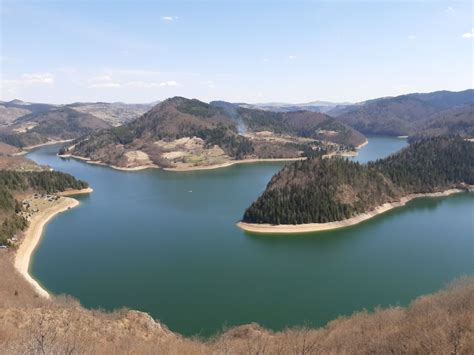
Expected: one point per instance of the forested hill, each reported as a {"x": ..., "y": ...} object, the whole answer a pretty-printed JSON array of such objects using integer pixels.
[
  {"x": 299, "y": 123},
  {"x": 189, "y": 132},
  {"x": 412, "y": 114},
  {"x": 55, "y": 124},
  {"x": 325, "y": 190},
  {"x": 13, "y": 182}
]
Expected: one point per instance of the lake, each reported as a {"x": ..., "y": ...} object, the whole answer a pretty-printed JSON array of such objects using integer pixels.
[{"x": 166, "y": 243}]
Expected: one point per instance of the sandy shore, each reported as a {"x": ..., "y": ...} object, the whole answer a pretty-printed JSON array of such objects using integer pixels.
[
  {"x": 316, "y": 227},
  {"x": 89, "y": 161},
  {"x": 33, "y": 234},
  {"x": 233, "y": 162},
  {"x": 363, "y": 144},
  {"x": 73, "y": 192},
  {"x": 211, "y": 167},
  {"x": 47, "y": 143},
  {"x": 26, "y": 150},
  {"x": 207, "y": 167}
]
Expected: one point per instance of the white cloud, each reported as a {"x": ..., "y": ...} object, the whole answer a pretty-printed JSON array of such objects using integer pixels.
[
  {"x": 37, "y": 78},
  {"x": 411, "y": 37},
  {"x": 13, "y": 87},
  {"x": 449, "y": 10},
  {"x": 100, "y": 79},
  {"x": 468, "y": 34},
  {"x": 142, "y": 84},
  {"x": 130, "y": 72},
  {"x": 132, "y": 84},
  {"x": 105, "y": 85},
  {"x": 292, "y": 57},
  {"x": 169, "y": 18},
  {"x": 169, "y": 83},
  {"x": 209, "y": 84},
  {"x": 265, "y": 60}
]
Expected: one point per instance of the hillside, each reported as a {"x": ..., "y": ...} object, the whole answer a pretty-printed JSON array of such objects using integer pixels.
[
  {"x": 11, "y": 110},
  {"x": 314, "y": 106},
  {"x": 458, "y": 120},
  {"x": 115, "y": 113},
  {"x": 404, "y": 115},
  {"x": 326, "y": 190},
  {"x": 184, "y": 133},
  {"x": 51, "y": 125},
  {"x": 12, "y": 159},
  {"x": 13, "y": 183}
]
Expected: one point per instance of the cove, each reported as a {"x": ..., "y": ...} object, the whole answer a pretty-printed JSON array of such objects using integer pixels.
[{"x": 166, "y": 243}]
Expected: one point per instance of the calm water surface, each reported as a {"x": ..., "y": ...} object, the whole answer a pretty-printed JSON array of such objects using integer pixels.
[{"x": 166, "y": 243}]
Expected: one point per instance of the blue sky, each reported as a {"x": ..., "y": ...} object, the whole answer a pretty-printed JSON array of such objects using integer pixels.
[{"x": 241, "y": 51}]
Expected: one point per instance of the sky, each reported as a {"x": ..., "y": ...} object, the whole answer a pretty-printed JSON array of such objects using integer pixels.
[{"x": 239, "y": 51}]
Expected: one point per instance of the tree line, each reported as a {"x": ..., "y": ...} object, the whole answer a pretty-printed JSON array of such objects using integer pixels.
[{"x": 324, "y": 190}]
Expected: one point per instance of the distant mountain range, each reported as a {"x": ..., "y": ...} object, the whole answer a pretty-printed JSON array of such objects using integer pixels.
[
  {"x": 412, "y": 114},
  {"x": 314, "y": 106},
  {"x": 25, "y": 124},
  {"x": 182, "y": 133},
  {"x": 115, "y": 113},
  {"x": 415, "y": 115}
]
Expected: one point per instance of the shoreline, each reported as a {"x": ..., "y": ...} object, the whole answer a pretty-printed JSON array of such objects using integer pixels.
[
  {"x": 34, "y": 233},
  {"x": 265, "y": 228},
  {"x": 212, "y": 167},
  {"x": 234, "y": 162},
  {"x": 206, "y": 167},
  {"x": 362, "y": 144},
  {"x": 26, "y": 150}
]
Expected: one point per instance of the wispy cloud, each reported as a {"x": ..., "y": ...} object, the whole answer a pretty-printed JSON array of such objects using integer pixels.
[
  {"x": 15, "y": 86},
  {"x": 30, "y": 79},
  {"x": 169, "y": 83},
  {"x": 468, "y": 34},
  {"x": 37, "y": 78},
  {"x": 105, "y": 85},
  {"x": 449, "y": 10},
  {"x": 291, "y": 57},
  {"x": 209, "y": 84},
  {"x": 411, "y": 37},
  {"x": 134, "y": 84},
  {"x": 169, "y": 18}
]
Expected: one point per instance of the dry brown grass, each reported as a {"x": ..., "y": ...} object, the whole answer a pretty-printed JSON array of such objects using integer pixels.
[{"x": 442, "y": 323}]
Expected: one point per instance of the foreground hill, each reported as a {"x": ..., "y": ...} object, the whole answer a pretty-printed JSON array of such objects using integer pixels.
[
  {"x": 440, "y": 323},
  {"x": 328, "y": 190},
  {"x": 407, "y": 114},
  {"x": 51, "y": 125},
  {"x": 183, "y": 133}
]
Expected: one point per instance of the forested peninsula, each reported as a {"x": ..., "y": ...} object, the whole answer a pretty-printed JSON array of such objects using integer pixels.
[
  {"x": 15, "y": 183},
  {"x": 323, "y": 191}
]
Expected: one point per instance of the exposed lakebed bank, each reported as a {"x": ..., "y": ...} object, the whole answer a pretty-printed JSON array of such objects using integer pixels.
[
  {"x": 34, "y": 232},
  {"x": 166, "y": 243},
  {"x": 318, "y": 227}
]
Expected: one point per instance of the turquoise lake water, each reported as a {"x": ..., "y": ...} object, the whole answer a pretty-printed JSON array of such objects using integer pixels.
[{"x": 166, "y": 243}]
